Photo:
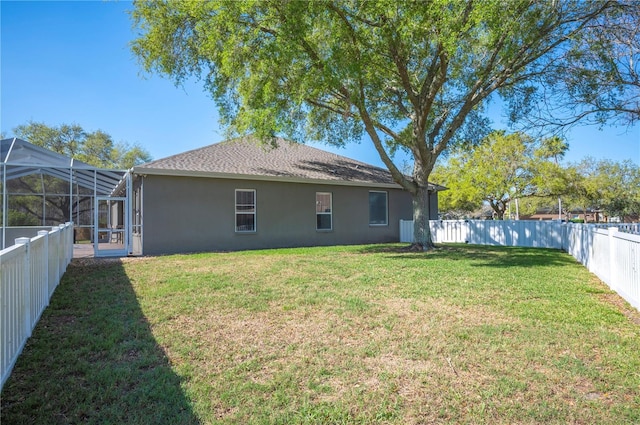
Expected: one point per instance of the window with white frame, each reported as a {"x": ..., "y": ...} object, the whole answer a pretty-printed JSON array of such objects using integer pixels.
[
  {"x": 245, "y": 210},
  {"x": 378, "y": 208},
  {"x": 323, "y": 211}
]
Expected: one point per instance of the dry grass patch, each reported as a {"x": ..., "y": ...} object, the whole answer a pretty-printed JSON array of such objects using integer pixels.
[{"x": 341, "y": 335}]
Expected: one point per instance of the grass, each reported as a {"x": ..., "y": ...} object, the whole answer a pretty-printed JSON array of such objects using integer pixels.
[{"x": 345, "y": 335}]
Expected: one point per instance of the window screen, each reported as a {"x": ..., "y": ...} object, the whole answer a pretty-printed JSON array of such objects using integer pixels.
[
  {"x": 245, "y": 210},
  {"x": 378, "y": 211},
  {"x": 323, "y": 211}
]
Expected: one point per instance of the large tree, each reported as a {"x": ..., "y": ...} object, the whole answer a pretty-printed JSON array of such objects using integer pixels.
[
  {"x": 414, "y": 76},
  {"x": 597, "y": 79}
]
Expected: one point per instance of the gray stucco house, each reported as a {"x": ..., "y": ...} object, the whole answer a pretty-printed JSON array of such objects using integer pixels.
[{"x": 238, "y": 195}]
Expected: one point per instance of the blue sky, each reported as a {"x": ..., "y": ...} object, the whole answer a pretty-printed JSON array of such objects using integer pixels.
[{"x": 70, "y": 62}]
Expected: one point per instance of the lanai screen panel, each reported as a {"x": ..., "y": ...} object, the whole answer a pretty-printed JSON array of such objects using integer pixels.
[{"x": 43, "y": 188}]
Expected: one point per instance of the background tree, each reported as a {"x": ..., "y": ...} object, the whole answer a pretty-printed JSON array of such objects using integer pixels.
[
  {"x": 462, "y": 198},
  {"x": 41, "y": 199},
  {"x": 607, "y": 186},
  {"x": 95, "y": 148},
  {"x": 503, "y": 168},
  {"x": 555, "y": 181},
  {"x": 411, "y": 75},
  {"x": 623, "y": 196}
]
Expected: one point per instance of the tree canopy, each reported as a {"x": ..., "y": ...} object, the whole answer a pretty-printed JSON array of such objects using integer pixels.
[
  {"x": 410, "y": 75},
  {"x": 94, "y": 148},
  {"x": 42, "y": 199},
  {"x": 504, "y": 167},
  {"x": 597, "y": 80},
  {"x": 609, "y": 186},
  {"x": 516, "y": 166}
]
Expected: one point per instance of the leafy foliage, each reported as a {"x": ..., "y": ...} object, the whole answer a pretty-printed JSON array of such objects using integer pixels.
[
  {"x": 411, "y": 76},
  {"x": 597, "y": 80},
  {"x": 41, "y": 199},
  {"x": 503, "y": 168},
  {"x": 95, "y": 148},
  {"x": 613, "y": 187},
  {"x": 508, "y": 167}
]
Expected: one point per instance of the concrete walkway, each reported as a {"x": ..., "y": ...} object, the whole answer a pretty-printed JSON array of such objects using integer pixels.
[{"x": 84, "y": 250}]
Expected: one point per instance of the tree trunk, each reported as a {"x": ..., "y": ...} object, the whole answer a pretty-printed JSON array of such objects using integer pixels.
[
  {"x": 499, "y": 207},
  {"x": 421, "y": 232}
]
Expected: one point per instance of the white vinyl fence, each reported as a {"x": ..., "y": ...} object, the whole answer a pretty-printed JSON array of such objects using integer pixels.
[
  {"x": 610, "y": 254},
  {"x": 30, "y": 271},
  {"x": 535, "y": 234},
  {"x": 610, "y": 251}
]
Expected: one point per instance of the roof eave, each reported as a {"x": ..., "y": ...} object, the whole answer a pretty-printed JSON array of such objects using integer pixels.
[{"x": 229, "y": 176}]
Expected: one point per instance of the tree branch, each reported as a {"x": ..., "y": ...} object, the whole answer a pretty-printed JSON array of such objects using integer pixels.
[{"x": 370, "y": 128}]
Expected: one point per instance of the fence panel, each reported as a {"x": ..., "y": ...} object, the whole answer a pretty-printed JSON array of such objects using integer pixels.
[
  {"x": 540, "y": 234},
  {"x": 54, "y": 262},
  {"x": 29, "y": 272},
  {"x": 633, "y": 228},
  {"x": 599, "y": 253},
  {"x": 450, "y": 231},
  {"x": 625, "y": 266},
  {"x": 14, "y": 306},
  {"x": 406, "y": 231},
  {"x": 577, "y": 242},
  {"x": 62, "y": 254},
  {"x": 39, "y": 275}
]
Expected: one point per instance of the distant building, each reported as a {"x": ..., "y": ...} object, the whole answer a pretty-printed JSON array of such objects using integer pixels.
[{"x": 588, "y": 216}]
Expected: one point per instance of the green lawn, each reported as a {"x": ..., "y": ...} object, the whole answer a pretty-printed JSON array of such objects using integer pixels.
[{"x": 363, "y": 334}]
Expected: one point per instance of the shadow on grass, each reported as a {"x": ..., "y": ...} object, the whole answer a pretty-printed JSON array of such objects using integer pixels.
[
  {"x": 93, "y": 359},
  {"x": 482, "y": 255}
]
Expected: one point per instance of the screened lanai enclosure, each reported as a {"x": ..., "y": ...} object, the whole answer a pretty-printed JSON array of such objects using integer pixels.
[{"x": 41, "y": 189}]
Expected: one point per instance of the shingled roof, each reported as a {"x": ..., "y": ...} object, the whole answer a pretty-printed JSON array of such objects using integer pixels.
[{"x": 245, "y": 158}]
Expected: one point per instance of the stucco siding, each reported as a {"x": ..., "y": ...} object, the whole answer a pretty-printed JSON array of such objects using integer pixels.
[{"x": 190, "y": 214}]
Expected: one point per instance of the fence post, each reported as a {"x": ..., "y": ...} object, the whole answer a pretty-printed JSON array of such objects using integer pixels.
[
  {"x": 62, "y": 252},
  {"x": 26, "y": 288},
  {"x": 613, "y": 271},
  {"x": 46, "y": 263},
  {"x": 55, "y": 232},
  {"x": 69, "y": 225}
]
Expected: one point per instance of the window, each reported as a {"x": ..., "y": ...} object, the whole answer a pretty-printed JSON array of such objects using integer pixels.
[
  {"x": 378, "y": 211},
  {"x": 245, "y": 210},
  {"x": 323, "y": 211}
]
